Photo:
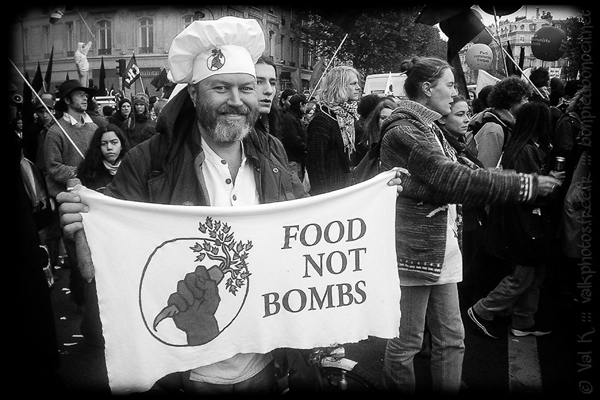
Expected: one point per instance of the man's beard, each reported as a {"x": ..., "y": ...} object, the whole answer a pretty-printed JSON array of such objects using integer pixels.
[{"x": 226, "y": 131}]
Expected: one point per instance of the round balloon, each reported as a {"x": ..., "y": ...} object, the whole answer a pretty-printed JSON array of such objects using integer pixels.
[
  {"x": 479, "y": 56},
  {"x": 500, "y": 10},
  {"x": 549, "y": 43}
]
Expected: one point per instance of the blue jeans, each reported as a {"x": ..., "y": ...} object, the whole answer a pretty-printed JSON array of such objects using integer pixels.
[
  {"x": 518, "y": 292},
  {"x": 439, "y": 305}
]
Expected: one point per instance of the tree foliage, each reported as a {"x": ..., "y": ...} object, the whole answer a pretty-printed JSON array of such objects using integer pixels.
[{"x": 379, "y": 41}]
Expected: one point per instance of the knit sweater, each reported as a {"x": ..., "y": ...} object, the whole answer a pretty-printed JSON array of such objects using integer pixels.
[
  {"x": 61, "y": 157},
  {"x": 434, "y": 182}
]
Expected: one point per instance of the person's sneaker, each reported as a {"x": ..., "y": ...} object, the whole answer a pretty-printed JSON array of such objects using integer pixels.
[
  {"x": 484, "y": 326},
  {"x": 535, "y": 330}
]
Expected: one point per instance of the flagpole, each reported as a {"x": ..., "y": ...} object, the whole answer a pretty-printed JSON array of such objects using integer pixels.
[
  {"x": 327, "y": 67},
  {"x": 499, "y": 39},
  {"x": 47, "y": 109},
  {"x": 86, "y": 25},
  {"x": 514, "y": 62}
]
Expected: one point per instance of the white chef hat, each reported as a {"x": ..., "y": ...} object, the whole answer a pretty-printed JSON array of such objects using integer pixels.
[{"x": 223, "y": 46}]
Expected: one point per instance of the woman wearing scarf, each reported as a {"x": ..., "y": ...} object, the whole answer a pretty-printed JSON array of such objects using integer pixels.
[
  {"x": 101, "y": 162},
  {"x": 332, "y": 152}
]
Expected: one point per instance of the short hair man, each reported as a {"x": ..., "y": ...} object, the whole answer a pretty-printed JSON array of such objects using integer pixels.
[
  {"x": 206, "y": 132},
  {"x": 215, "y": 117}
]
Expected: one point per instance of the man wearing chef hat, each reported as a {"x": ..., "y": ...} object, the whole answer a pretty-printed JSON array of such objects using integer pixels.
[{"x": 205, "y": 134}]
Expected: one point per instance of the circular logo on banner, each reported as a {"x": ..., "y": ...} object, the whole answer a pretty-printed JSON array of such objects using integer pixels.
[
  {"x": 216, "y": 60},
  {"x": 190, "y": 301}
]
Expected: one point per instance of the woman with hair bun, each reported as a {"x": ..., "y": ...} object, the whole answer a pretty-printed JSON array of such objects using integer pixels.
[{"x": 428, "y": 224}]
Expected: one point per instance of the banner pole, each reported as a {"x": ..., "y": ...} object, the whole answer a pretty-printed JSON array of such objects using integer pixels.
[
  {"x": 47, "y": 109},
  {"x": 514, "y": 62},
  {"x": 327, "y": 67}
]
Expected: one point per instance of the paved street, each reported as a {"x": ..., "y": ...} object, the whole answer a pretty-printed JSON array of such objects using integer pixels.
[{"x": 551, "y": 364}]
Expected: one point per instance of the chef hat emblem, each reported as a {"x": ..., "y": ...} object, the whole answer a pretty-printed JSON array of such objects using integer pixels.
[
  {"x": 228, "y": 45},
  {"x": 216, "y": 60}
]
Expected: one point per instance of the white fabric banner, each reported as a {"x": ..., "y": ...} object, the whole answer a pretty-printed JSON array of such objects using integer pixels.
[{"x": 181, "y": 287}]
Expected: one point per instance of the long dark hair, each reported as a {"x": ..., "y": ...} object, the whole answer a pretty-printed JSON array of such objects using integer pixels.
[
  {"x": 274, "y": 116},
  {"x": 89, "y": 169},
  {"x": 532, "y": 125}
]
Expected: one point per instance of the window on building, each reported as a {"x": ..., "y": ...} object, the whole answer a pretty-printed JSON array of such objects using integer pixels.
[
  {"x": 146, "y": 43},
  {"x": 104, "y": 38},
  {"x": 70, "y": 39},
  {"x": 188, "y": 19},
  {"x": 47, "y": 41}
]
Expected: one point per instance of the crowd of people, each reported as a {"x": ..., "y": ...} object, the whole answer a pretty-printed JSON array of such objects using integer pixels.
[{"x": 482, "y": 188}]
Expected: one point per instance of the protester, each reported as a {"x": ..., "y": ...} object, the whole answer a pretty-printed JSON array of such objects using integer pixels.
[
  {"x": 523, "y": 234},
  {"x": 480, "y": 103},
  {"x": 427, "y": 229},
  {"x": 540, "y": 78},
  {"x": 66, "y": 143},
  {"x": 372, "y": 126},
  {"x": 94, "y": 113},
  {"x": 35, "y": 322},
  {"x": 366, "y": 106},
  {"x": 103, "y": 157},
  {"x": 101, "y": 162},
  {"x": 107, "y": 111},
  {"x": 134, "y": 128},
  {"x": 331, "y": 142},
  {"x": 284, "y": 99},
  {"x": 35, "y": 134},
  {"x": 455, "y": 127},
  {"x": 192, "y": 117},
  {"x": 491, "y": 128},
  {"x": 122, "y": 114},
  {"x": 293, "y": 135},
  {"x": 205, "y": 134},
  {"x": 269, "y": 120}
]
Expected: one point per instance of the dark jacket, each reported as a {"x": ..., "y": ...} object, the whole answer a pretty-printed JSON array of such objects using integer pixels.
[
  {"x": 293, "y": 137},
  {"x": 435, "y": 181},
  {"x": 328, "y": 165},
  {"x": 164, "y": 169},
  {"x": 524, "y": 233}
]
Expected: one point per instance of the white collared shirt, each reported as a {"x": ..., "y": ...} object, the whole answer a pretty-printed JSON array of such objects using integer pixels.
[
  {"x": 70, "y": 119},
  {"x": 222, "y": 189}
]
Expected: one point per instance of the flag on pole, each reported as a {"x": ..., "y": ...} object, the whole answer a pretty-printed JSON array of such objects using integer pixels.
[
  {"x": 38, "y": 81},
  {"x": 180, "y": 287},
  {"x": 132, "y": 73},
  {"x": 102, "y": 84},
  {"x": 161, "y": 80},
  {"x": 389, "y": 87},
  {"x": 511, "y": 68},
  {"x": 48, "y": 76}
]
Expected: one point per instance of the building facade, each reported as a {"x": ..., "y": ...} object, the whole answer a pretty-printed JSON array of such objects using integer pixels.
[
  {"x": 119, "y": 32},
  {"x": 519, "y": 34}
]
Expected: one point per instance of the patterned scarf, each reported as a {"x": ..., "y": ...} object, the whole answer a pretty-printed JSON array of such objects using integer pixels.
[
  {"x": 346, "y": 115},
  {"x": 112, "y": 169}
]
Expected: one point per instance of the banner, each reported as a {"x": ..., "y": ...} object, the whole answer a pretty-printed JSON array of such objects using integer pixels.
[
  {"x": 485, "y": 79},
  {"x": 132, "y": 74},
  {"x": 184, "y": 286}
]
